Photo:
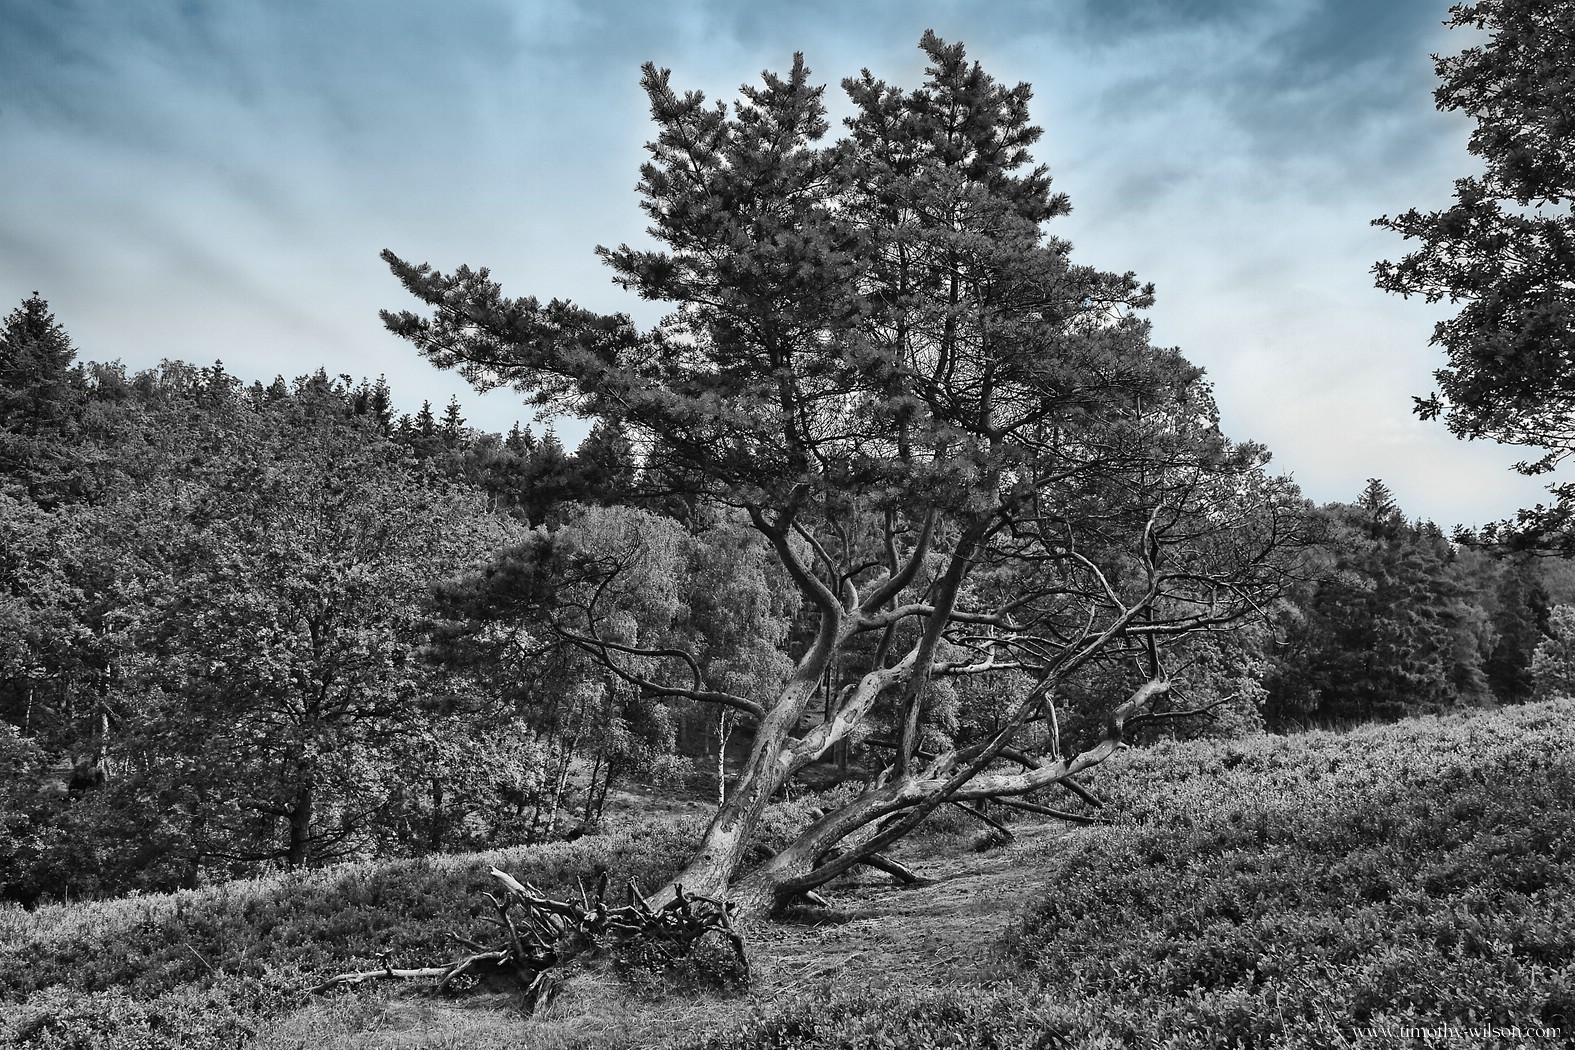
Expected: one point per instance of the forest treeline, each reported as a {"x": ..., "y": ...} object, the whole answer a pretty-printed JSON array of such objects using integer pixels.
[{"x": 248, "y": 625}]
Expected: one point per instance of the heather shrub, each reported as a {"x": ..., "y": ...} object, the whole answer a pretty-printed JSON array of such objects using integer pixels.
[
  {"x": 149, "y": 964},
  {"x": 1004, "y": 1017},
  {"x": 1303, "y": 891},
  {"x": 221, "y": 1016},
  {"x": 1281, "y": 891},
  {"x": 1252, "y": 892}
]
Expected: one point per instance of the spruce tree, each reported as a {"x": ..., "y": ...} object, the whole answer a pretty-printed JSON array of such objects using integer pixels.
[
  {"x": 1390, "y": 624},
  {"x": 39, "y": 401},
  {"x": 605, "y": 465},
  {"x": 520, "y": 441},
  {"x": 452, "y": 428},
  {"x": 1520, "y": 623},
  {"x": 36, "y": 356}
]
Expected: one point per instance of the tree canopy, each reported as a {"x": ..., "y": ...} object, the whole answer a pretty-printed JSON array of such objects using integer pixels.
[
  {"x": 959, "y": 445},
  {"x": 1505, "y": 248}
]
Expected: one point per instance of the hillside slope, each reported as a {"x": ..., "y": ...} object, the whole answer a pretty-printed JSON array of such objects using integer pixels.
[
  {"x": 1395, "y": 883},
  {"x": 1272, "y": 891}
]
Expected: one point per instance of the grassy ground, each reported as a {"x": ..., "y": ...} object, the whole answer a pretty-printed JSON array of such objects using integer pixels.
[{"x": 1309, "y": 891}]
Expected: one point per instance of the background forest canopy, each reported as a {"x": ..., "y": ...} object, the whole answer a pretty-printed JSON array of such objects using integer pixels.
[{"x": 892, "y": 435}]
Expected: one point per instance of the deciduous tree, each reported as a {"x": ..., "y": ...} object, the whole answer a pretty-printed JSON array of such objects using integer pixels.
[
  {"x": 217, "y": 658},
  {"x": 1553, "y": 665}
]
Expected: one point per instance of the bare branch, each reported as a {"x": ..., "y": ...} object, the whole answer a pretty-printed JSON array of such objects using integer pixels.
[
  {"x": 1048, "y": 811},
  {"x": 901, "y": 577},
  {"x": 601, "y": 647}
]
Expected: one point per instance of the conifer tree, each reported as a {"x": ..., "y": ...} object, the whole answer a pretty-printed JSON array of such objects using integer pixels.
[
  {"x": 375, "y": 401},
  {"x": 959, "y": 445},
  {"x": 1504, "y": 250},
  {"x": 1520, "y": 623},
  {"x": 1390, "y": 624},
  {"x": 452, "y": 427},
  {"x": 520, "y": 441},
  {"x": 38, "y": 399},
  {"x": 605, "y": 465},
  {"x": 548, "y": 479},
  {"x": 36, "y": 356}
]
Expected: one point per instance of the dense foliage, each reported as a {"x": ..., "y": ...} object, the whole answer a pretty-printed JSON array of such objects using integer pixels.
[
  {"x": 897, "y": 486},
  {"x": 1505, "y": 249},
  {"x": 1394, "y": 619},
  {"x": 217, "y": 619},
  {"x": 256, "y": 625}
]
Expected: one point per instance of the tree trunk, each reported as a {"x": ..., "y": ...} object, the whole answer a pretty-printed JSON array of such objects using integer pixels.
[
  {"x": 435, "y": 828},
  {"x": 802, "y": 866},
  {"x": 727, "y": 838},
  {"x": 724, "y": 733},
  {"x": 591, "y": 810},
  {"x": 298, "y": 851}
]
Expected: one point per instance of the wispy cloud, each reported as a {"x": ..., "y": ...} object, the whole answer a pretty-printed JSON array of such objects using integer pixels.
[{"x": 210, "y": 179}]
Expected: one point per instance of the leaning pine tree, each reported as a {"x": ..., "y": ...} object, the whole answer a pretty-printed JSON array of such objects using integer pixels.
[{"x": 959, "y": 446}]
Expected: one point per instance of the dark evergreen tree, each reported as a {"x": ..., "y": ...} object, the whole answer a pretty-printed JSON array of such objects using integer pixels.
[
  {"x": 1520, "y": 623},
  {"x": 381, "y": 405},
  {"x": 1377, "y": 504},
  {"x": 39, "y": 400},
  {"x": 36, "y": 356},
  {"x": 604, "y": 464},
  {"x": 452, "y": 428},
  {"x": 520, "y": 441},
  {"x": 548, "y": 479},
  {"x": 1390, "y": 623},
  {"x": 1505, "y": 248},
  {"x": 374, "y": 401},
  {"x": 322, "y": 395},
  {"x": 488, "y": 464},
  {"x": 420, "y": 433}
]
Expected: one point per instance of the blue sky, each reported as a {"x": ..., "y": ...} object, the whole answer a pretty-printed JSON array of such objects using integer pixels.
[{"x": 206, "y": 180}]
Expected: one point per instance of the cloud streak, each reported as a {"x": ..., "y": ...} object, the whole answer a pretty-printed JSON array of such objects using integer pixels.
[{"x": 201, "y": 179}]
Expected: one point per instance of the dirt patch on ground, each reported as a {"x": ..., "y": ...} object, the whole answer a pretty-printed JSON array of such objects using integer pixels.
[{"x": 941, "y": 933}]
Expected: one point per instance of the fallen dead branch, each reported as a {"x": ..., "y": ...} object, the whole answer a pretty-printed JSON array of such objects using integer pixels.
[
  {"x": 994, "y": 825},
  {"x": 542, "y": 936},
  {"x": 1049, "y": 811}
]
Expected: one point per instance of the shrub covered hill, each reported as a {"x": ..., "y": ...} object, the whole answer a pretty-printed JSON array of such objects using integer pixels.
[{"x": 1271, "y": 891}]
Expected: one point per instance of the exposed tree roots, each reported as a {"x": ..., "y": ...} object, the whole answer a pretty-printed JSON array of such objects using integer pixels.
[{"x": 541, "y": 937}]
